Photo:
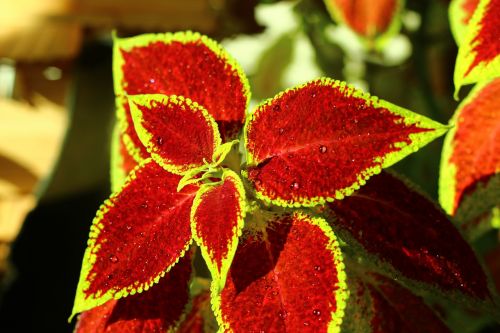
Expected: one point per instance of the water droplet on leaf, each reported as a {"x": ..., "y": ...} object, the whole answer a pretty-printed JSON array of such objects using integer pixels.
[
  {"x": 281, "y": 130},
  {"x": 322, "y": 149},
  {"x": 317, "y": 268},
  {"x": 294, "y": 186},
  {"x": 316, "y": 312},
  {"x": 276, "y": 107},
  {"x": 113, "y": 259},
  {"x": 159, "y": 140}
]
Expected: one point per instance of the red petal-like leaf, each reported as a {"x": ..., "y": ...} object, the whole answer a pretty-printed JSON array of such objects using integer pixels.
[
  {"x": 216, "y": 222},
  {"x": 378, "y": 304},
  {"x": 136, "y": 237},
  {"x": 368, "y": 18},
  {"x": 471, "y": 153},
  {"x": 179, "y": 134},
  {"x": 184, "y": 64},
  {"x": 409, "y": 237},
  {"x": 156, "y": 310},
  {"x": 196, "y": 319},
  {"x": 460, "y": 14},
  {"x": 130, "y": 138},
  {"x": 479, "y": 53},
  {"x": 322, "y": 140},
  {"x": 122, "y": 163},
  {"x": 288, "y": 277}
]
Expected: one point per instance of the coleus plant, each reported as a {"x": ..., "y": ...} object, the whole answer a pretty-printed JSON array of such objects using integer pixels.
[{"x": 302, "y": 234}]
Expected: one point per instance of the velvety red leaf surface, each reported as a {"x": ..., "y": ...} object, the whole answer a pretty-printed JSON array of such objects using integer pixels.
[
  {"x": 398, "y": 310},
  {"x": 155, "y": 310},
  {"x": 196, "y": 318},
  {"x": 367, "y": 17},
  {"x": 319, "y": 139},
  {"x": 401, "y": 227},
  {"x": 142, "y": 231},
  {"x": 283, "y": 279},
  {"x": 188, "y": 68},
  {"x": 136, "y": 149},
  {"x": 476, "y": 143},
  {"x": 218, "y": 219},
  {"x": 178, "y": 131},
  {"x": 485, "y": 44}
]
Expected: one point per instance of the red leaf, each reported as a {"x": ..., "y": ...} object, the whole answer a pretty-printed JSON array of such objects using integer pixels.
[
  {"x": 184, "y": 64},
  {"x": 122, "y": 163},
  {"x": 322, "y": 140},
  {"x": 131, "y": 140},
  {"x": 409, "y": 237},
  {"x": 479, "y": 53},
  {"x": 471, "y": 153},
  {"x": 156, "y": 310},
  {"x": 136, "y": 237},
  {"x": 460, "y": 14},
  {"x": 179, "y": 134},
  {"x": 216, "y": 222},
  {"x": 287, "y": 277},
  {"x": 367, "y": 18},
  {"x": 380, "y": 305}
]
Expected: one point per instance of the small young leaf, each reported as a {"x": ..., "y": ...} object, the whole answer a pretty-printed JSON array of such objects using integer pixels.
[
  {"x": 216, "y": 222},
  {"x": 122, "y": 163},
  {"x": 131, "y": 140},
  {"x": 379, "y": 304},
  {"x": 374, "y": 21},
  {"x": 136, "y": 237},
  {"x": 460, "y": 12},
  {"x": 184, "y": 64},
  {"x": 479, "y": 53},
  {"x": 324, "y": 139},
  {"x": 157, "y": 310},
  {"x": 179, "y": 134},
  {"x": 287, "y": 277},
  {"x": 408, "y": 236},
  {"x": 471, "y": 153}
]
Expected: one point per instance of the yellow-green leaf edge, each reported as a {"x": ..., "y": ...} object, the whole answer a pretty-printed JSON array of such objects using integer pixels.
[
  {"x": 219, "y": 278},
  {"x": 147, "y": 138},
  {"x": 456, "y": 15},
  {"x": 380, "y": 40},
  {"x": 466, "y": 55},
  {"x": 144, "y": 40},
  {"x": 341, "y": 294},
  {"x": 118, "y": 175},
  {"x": 82, "y": 303},
  {"x": 410, "y": 118}
]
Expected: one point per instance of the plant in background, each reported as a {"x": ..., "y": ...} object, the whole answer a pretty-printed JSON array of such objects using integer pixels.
[{"x": 299, "y": 226}]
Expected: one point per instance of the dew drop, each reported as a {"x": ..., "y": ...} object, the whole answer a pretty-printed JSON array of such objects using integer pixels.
[
  {"x": 317, "y": 268},
  {"x": 144, "y": 205},
  {"x": 306, "y": 323},
  {"x": 294, "y": 186},
  {"x": 322, "y": 149},
  {"x": 282, "y": 314},
  {"x": 110, "y": 276},
  {"x": 129, "y": 227},
  {"x": 151, "y": 80},
  {"x": 276, "y": 108},
  {"x": 159, "y": 140},
  {"x": 113, "y": 259},
  {"x": 316, "y": 312},
  {"x": 281, "y": 130}
]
